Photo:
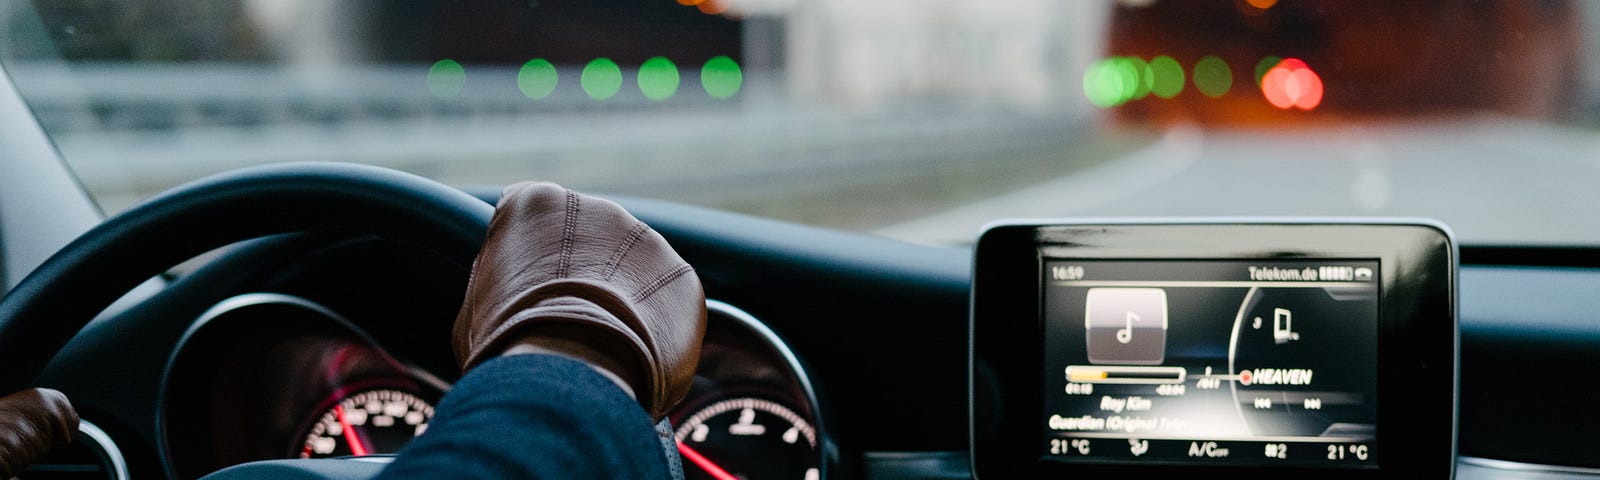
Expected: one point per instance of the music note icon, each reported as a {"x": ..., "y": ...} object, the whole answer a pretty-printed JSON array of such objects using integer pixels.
[{"x": 1125, "y": 334}]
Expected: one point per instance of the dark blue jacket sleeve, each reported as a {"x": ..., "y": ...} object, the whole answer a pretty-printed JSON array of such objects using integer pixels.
[{"x": 535, "y": 417}]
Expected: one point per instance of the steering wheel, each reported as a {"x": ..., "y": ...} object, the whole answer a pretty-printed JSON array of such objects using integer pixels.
[{"x": 57, "y": 299}]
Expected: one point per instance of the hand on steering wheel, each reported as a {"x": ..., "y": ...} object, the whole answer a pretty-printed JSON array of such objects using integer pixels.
[{"x": 576, "y": 275}]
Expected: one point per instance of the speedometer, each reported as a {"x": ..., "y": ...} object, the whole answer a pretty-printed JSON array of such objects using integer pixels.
[
  {"x": 748, "y": 438},
  {"x": 369, "y": 422}
]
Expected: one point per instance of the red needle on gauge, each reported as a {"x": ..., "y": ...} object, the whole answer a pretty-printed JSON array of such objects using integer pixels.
[
  {"x": 705, "y": 464},
  {"x": 356, "y": 448}
]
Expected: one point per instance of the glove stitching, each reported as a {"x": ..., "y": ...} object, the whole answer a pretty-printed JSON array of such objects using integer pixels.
[
  {"x": 622, "y": 250},
  {"x": 570, "y": 224},
  {"x": 467, "y": 311},
  {"x": 662, "y": 282}
]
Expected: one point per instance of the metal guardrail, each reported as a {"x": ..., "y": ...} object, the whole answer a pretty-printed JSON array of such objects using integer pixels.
[
  {"x": 132, "y": 130},
  {"x": 139, "y": 96}
]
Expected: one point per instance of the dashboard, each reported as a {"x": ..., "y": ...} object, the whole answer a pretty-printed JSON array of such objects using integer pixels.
[{"x": 876, "y": 330}]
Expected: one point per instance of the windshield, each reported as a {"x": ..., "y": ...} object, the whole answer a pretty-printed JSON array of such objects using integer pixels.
[{"x": 913, "y": 119}]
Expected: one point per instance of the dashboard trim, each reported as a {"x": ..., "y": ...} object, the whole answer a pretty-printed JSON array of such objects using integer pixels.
[
  {"x": 824, "y": 444},
  {"x": 1508, "y": 465},
  {"x": 261, "y": 298},
  {"x": 92, "y": 432},
  {"x": 751, "y": 322}
]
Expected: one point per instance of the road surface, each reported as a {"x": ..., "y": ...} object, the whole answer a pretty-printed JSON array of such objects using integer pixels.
[{"x": 1491, "y": 179}]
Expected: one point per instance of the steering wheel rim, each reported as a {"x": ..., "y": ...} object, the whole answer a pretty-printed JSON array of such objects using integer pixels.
[{"x": 56, "y": 300}]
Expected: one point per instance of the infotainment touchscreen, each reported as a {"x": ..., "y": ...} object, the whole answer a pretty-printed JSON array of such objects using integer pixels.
[
  {"x": 1248, "y": 349},
  {"x": 1244, "y": 362}
]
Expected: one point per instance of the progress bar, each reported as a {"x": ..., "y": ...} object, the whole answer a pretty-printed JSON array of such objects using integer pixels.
[{"x": 1129, "y": 375}]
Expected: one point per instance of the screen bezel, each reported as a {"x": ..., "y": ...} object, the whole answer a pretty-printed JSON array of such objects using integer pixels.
[{"x": 1417, "y": 344}]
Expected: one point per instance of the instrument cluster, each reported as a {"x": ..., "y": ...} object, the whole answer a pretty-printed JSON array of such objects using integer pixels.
[{"x": 270, "y": 376}]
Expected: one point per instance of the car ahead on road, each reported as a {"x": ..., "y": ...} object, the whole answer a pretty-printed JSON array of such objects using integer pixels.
[{"x": 1302, "y": 238}]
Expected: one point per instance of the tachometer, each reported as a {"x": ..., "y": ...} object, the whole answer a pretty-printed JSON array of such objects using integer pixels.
[
  {"x": 749, "y": 439},
  {"x": 369, "y": 422}
]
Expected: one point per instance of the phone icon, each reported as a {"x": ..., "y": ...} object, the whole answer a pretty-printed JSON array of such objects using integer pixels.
[{"x": 1282, "y": 326}]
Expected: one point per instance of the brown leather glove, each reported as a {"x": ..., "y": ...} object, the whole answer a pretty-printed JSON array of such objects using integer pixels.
[
  {"x": 578, "y": 275},
  {"x": 32, "y": 422}
]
